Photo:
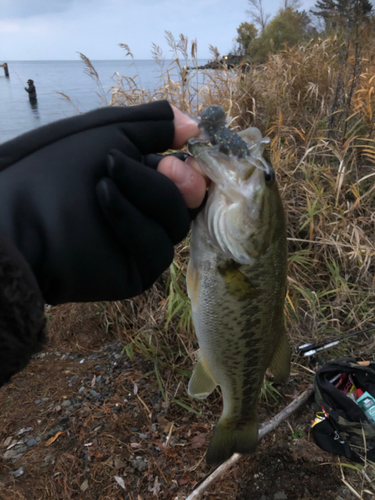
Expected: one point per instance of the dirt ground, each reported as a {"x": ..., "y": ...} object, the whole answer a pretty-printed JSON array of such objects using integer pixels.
[{"x": 83, "y": 421}]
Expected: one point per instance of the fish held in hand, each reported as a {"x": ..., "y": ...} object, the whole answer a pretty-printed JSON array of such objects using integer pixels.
[{"x": 237, "y": 283}]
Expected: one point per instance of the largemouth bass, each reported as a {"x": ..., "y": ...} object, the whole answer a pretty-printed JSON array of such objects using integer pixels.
[{"x": 237, "y": 281}]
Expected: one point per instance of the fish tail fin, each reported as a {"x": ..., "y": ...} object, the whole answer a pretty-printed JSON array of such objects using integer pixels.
[
  {"x": 233, "y": 436},
  {"x": 280, "y": 363}
]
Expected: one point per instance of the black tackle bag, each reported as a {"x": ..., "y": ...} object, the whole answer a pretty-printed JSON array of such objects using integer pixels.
[{"x": 344, "y": 428}]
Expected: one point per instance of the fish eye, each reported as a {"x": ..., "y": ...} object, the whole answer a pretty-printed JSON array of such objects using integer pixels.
[{"x": 269, "y": 177}]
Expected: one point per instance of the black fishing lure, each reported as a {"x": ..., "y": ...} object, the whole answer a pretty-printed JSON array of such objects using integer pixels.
[{"x": 213, "y": 123}]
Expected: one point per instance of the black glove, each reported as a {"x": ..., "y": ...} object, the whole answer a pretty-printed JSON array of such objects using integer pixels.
[{"x": 83, "y": 204}]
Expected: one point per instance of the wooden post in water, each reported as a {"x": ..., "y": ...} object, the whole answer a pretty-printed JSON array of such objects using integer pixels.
[{"x": 6, "y": 70}]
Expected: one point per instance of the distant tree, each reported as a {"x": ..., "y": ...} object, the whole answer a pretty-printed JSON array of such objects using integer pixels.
[
  {"x": 246, "y": 34},
  {"x": 257, "y": 13},
  {"x": 293, "y": 4},
  {"x": 288, "y": 28},
  {"x": 338, "y": 13}
]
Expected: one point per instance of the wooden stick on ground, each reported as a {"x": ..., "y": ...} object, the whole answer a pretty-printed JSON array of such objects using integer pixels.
[{"x": 265, "y": 428}]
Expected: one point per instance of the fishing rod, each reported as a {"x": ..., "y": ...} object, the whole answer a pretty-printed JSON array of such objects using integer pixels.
[{"x": 306, "y": 350}]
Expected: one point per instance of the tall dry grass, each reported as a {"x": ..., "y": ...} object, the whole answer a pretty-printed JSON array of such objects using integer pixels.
[{"x": 326, "y": 177}]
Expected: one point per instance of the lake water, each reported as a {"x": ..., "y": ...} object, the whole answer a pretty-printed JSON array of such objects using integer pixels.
[{"x": 17, "y": 115}]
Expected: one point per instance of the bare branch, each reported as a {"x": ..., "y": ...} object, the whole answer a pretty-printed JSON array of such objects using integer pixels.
[
  {"x": 292, "y": 4},
  {"x": 257, "y": 14}
]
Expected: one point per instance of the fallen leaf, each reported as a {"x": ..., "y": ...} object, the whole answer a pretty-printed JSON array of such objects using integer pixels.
[
  {"x": 302, "y": 387},
  {"x": 156, "y": 488},
  {"x": 68, "y": 455},
  {"x": 84, "y": 485},
  {"x": 198, "y": 441},
  {"x": 165, "y": 424},
  {"x": 135, "y": 389},
  {"x": 96, "y": 453},
  {"x": 135, "y": 445},
  {"x": 53, "y": 439},
  {"x": 200, "y": 428},
  {"x": 120, "y": 481},
  {"x": 172, "y": 453},
  {"x": 183, "y": 480},
  {"x": 23, "y": 430}
]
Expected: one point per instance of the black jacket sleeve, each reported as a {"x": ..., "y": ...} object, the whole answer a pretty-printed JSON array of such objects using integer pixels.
[
  {"x": 93, "y": 219},
  {"x": 84, "y": 216},
  {"x": 22, "y": 323}
]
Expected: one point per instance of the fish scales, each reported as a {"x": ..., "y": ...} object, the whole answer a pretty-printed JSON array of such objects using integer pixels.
[{"x": 237, "y": 284}]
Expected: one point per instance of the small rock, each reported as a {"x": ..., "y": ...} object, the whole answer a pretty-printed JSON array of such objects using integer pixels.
[
  {"x": 31, "y": 442},
  {"x": 19, "y": 472},
  {"x": 140, "y": 465},
  {"x": 63, "y": 419},
  {"x": 57, "y": 408},
  {"x": 66, "y": 403},
  {"x": 280, "y": 495},
  {"x": 129, "y": 470},
  {"x": 10, "y": 454},
  {"x": 94, "y": 393},
  {"x": 119, "y": 464},
  {"x": 53, "y": 431},
  {"x": 37, "y": 401},
  {"x": 81, "y": 389},
  {"x": 7, "y": 442}
]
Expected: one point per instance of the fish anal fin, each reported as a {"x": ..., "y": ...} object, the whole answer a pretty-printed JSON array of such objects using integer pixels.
[
  {"x": 192, "y": 281},
  {"x": 233, "y": 436},
  {"x": 202, "y": 382},
  {"x": 280, "y": 363}
]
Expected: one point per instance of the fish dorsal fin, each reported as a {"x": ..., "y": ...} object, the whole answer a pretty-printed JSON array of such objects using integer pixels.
[{"x": 202, "y": 382}]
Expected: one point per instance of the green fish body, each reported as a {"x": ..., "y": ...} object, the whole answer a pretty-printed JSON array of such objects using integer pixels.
[{"x": 237, "y": 284}]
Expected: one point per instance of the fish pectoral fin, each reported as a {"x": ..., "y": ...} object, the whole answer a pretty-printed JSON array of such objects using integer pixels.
[
  {"x": 202, "y": 383},
  {"x": 233, "y": 436},
  {"x": 237, "y": 284},
  {"x": 280, "y": 363},
  {"x": 192, "y": 281}
]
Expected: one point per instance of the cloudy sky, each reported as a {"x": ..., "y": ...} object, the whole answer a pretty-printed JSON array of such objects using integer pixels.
[{"x": 58, "y": 29}]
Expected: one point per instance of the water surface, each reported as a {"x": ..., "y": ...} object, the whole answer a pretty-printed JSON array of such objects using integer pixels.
[{"x": 18, "y": 115}]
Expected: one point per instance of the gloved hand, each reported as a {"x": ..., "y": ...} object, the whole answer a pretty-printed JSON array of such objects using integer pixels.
[{"x": 83, "y": 203}]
